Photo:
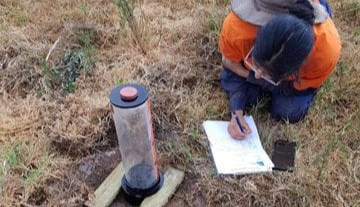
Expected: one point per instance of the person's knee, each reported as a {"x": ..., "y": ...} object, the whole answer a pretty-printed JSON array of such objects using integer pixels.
[
  {"x": 289, "y": 114},
  {"x": 290, "y": 109}
]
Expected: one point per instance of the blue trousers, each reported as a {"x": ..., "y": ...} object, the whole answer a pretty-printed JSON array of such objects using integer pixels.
[{"x": 243, "y": 94}]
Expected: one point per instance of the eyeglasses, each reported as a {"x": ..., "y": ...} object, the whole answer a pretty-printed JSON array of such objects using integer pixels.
[{"x": 250, "y": 63}]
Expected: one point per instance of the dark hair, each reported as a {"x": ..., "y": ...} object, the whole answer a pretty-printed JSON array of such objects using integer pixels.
[
  {"x": 282, "y": 45},
  {"x": 303, "y": 10}
]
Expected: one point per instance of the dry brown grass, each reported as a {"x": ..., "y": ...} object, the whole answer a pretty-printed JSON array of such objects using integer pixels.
[{"x": 43, "y": 136}]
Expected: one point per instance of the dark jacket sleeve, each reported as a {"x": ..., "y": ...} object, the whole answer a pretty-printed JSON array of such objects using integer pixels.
[{"x": 236, "y": 88}]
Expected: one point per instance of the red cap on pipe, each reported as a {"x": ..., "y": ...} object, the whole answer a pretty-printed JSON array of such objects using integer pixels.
[{"x": 128, "y": 93}]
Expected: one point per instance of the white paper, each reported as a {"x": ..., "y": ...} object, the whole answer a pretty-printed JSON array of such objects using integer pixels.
[{"x": 233, "y": 156}]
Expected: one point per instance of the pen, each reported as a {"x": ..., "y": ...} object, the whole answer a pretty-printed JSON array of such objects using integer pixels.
[{"x": 238, "y": 123}]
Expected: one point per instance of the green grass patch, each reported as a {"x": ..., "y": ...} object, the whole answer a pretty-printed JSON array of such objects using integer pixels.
[
  {"x": 22, "y": 161},
  {"x": 322, "y": 159},
  {"x": 126, "y": 11},
  {"x": 32, "y": 175},
  {"x": 352, "y": 8},
  {"x": 63, "y": 74},
  {"x": 342, "y": 69},
  {"x": 21, "y": 17},
  {"x": 357, "y": 32},
  {"x": 195, "y": 141},
  {"x": 350, "y": 12},
  {"x": 214, "y": 21},
  {"x": 303, "y": 195},
  {"x": 119, "y": 82},
  {"x": 82, "y": 8},
  {"x": 11, "y": 157}
]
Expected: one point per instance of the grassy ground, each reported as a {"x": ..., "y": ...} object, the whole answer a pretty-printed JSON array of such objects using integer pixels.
[{"x": 60, "y": 59}]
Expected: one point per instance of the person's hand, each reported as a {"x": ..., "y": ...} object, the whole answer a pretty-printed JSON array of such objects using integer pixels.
[{"x": 234, "y": 129}]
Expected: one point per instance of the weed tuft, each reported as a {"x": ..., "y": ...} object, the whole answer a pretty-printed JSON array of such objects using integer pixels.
[
  {"x": 74, "y": 62},
  {"x": 127, "y": 19},
  {"x": 357, "y": 32},
  {"x": 349, "y": 11},
  {"x": 22, "y": 165}
]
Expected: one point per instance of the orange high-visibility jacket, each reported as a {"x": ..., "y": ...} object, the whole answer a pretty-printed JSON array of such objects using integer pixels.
[{"x": 238, "y": 37}]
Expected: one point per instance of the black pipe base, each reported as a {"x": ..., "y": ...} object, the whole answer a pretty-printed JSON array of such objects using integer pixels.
[{"x": 135, "y": 196}]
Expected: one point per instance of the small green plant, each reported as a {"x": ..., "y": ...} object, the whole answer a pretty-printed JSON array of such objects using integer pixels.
[
  {"x": 119, "y": 82},
  {"x": 350, "y": 11},
  {"x": 74, "y": 62},
  {"x": 21, "y": 17},
  {"x": 127, "y": 18},
  {"x": 10, "y": 157},
  {"x": 357, "y": 32},
  {"x": 126, "y": 12},
  {"x": 32, "y": 175},
  {"x": 85, "y": 40},
  {"x": 328, "y": 85},
  {"x": 342, "y": 71},
  {"x": 267, "y": 136},
  {"x": 216, "y": 17},
  {"x": 322, "y": 159},
  {"x": 19, "y": 161},
  {"x": 195, "y": 141},
  {"x": 186, "y": 153},
  {"x": 353, "y": 8},
  {"x": 65, "y": 74},
  {"x": 223, "y": 2},
  {"x": 82, "y": 8},
  {"x": 211, "y": 111},
  {"x": 215, "y": 23}
]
